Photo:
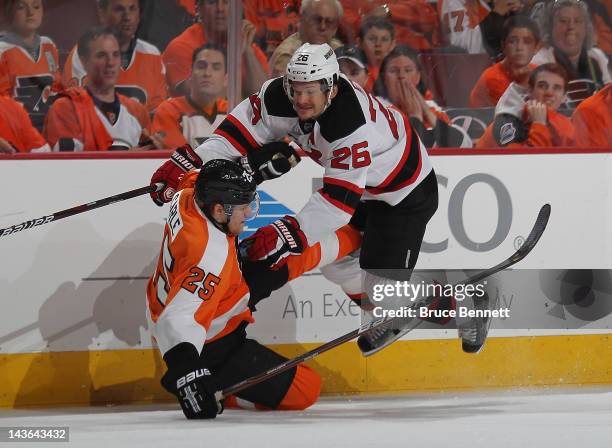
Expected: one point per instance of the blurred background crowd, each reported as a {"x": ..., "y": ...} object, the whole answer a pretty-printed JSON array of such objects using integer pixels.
[{"x": 87, "y": 75}]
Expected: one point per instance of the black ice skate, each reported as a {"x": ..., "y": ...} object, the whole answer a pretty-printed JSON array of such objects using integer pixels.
[
  {"x": 474, "y": 333},
  {"x": 377, "y": 339}
]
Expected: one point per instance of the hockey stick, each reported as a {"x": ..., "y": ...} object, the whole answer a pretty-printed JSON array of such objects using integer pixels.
[
  {"x": 528, "y": 245},
  {"x": 79, "y": 209}
]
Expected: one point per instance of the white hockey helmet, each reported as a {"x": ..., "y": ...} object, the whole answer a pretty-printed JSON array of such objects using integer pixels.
[{"x": 309, "y": 63}]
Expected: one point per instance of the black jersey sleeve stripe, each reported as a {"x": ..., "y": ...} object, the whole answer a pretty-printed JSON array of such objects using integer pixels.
[
  {"x": 237, "y": 135},
  {"x": 343, "y": 195}
]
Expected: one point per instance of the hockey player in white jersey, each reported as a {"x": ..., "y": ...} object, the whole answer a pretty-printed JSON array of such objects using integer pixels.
[{"x": 378, "y": 175}]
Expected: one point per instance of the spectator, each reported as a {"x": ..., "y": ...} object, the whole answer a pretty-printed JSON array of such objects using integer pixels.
[
  {"x": 141, "y": 74},
  {"x": 160, "y": 22},
  {"x": 16, "y": 131},
  {"x": 601, "y": 11},
  {"x": 416, "y": 22},
  {"x": 532, "y": 121},
  {"x": 213, "y": 28},
  {"x": 352, "y": 61},
  {"x": 401, "y": 83},
  {"x": 474, "y": 25},
  {"x": 275, "y": 20},
  {"x": 567, "y": 34},
  {"x": 601, "y": 16},
  {"x": 377, "y": 38},
  {"x": 593, "y": 120},
  {"x": 29, "y": 63},
  {"x": 191, "y": 119},
  {"x": 520, "y": 41},
  {"x": 318, "y": 25},
  {"x": 96, "y": 117}
]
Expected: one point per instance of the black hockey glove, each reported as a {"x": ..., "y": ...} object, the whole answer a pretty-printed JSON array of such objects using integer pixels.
[
  {"x": 272, "y": 160},
  {"x": 191, "y": 383}
]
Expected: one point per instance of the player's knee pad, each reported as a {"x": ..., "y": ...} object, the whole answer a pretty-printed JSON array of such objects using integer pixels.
[{"x": 304, "y": 390}]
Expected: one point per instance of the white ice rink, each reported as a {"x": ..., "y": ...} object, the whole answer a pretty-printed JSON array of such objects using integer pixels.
[{"x": 554, "y": 418}]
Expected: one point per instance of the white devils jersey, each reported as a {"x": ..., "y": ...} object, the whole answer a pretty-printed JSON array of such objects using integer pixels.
[{"x": 368, "y": 151}]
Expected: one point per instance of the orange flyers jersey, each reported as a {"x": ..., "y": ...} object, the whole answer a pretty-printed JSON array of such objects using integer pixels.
[
  {"x": 180, "y": 121},
  {"x": 460, "y": 20},
  {"x": 178, "y": 54},
  {"x": 75, "y": 117},
  {"x": 30, "y": 81},
  {"x": 197, "y": 293},
  {"x": 275, "y": 20},
  {"x": 17, "y": 129},
  {"x": 491, "y": 86},
  {"x": 593, "y": 119},
  {"x": 143, "y": 79}
]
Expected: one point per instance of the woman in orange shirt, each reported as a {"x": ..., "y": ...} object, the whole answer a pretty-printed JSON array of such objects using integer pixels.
[{"x": 29, "y": 63}]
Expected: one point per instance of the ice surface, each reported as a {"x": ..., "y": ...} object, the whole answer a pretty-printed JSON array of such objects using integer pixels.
[{"x": 540, "y": 418}]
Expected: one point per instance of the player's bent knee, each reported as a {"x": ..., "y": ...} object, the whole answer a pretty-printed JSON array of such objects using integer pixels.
[{"x": 304, "y": 390}]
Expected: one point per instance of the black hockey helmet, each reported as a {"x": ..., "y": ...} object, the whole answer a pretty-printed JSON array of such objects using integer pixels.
[{"x": 224, "y": 182}]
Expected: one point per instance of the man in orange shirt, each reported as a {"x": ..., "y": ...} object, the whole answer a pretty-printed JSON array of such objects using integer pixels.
[
  {"x": 593, "y": 120},
  {"x": 213, "y": 28},
  {"x": 191, "y": 119},
  {"x": 377, "y": 38},
  {"x": 141, "y": 73},
  {"x": 96, "y": 117},
  {"x": 201, "y": 296},
  {"x": 16, "y": 131},
  {"x": 532, "y": 121},
  {"x": 520, "y": 42}
]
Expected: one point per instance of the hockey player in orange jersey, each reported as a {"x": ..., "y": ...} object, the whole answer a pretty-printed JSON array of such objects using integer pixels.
[
  {"x": 213, "y": 28},
  {"x": 532, "y": 121},
  {"x": 191, "y": 119},
  {"x": 29, "y": 63},
  {"x": 16, "y": 131},
  {"x": 201, "y": 296},
  {"x": 96, "y": 117},
  {"x": 593, "y": 120},
  {"x": 520, "y": 41},
  {"x": 142, "y": 73}
]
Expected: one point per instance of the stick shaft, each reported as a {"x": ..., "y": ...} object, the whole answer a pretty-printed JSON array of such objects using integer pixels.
[{"x": 79, "y": 209}]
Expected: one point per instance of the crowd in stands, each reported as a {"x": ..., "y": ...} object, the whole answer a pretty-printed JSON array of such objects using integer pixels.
[{"x": 153, "y": 74}]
